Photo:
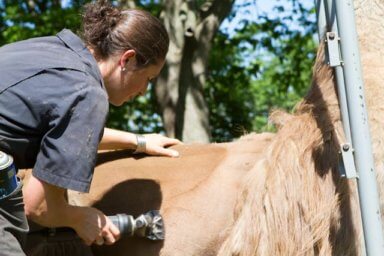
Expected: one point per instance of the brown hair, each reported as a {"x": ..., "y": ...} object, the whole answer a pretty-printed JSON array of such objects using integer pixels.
[{"x": 109, "y": 30}]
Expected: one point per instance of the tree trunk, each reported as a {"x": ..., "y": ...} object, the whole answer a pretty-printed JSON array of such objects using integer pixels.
[{"x": 179, "y": 89}]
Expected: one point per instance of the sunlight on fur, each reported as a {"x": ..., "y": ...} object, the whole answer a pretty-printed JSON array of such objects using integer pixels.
[{"x": 294, "y": 201}]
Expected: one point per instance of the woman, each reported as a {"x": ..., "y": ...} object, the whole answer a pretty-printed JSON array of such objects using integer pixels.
[{"x": 54, "y": 94}]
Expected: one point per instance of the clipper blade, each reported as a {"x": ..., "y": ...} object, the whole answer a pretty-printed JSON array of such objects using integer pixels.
[{"x": 155, "y": 230}]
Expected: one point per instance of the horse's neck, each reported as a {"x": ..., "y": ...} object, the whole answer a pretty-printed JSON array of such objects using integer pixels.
[
  {"x": 369, "y": 23},
  {"x": 370, "y": 29}
]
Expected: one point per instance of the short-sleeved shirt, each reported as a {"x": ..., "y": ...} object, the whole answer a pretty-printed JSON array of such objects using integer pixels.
[{"x": 53, "y": 106}]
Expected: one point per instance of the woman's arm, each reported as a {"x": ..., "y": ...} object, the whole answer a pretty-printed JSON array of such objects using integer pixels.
[
  {"x": 46, "y": 205},
  {"x": 115, "y": 139},
  {"x": 156, "y": 144}
]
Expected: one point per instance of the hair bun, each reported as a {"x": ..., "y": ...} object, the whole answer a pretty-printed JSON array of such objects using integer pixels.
[
  {"x": 109, "y": 31},
  {"x": 110, "y": 15},
  {"x": 99, "y": 19}
]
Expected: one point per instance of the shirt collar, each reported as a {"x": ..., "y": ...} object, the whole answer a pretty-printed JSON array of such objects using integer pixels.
[{"x": 73, "y": 42}]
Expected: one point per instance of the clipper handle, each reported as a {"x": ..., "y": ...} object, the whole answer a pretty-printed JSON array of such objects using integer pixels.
[{"x": 124, "y": 222}]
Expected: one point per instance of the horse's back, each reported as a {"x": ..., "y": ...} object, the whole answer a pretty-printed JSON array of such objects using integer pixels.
[{"x": 195, "y": 193}]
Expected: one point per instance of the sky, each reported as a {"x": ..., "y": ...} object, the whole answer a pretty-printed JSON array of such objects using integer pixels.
[
  {"x": 252, "y": 10},
  {"x": 255, "y": 7}
]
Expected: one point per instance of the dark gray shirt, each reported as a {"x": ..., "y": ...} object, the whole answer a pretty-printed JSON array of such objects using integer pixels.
[{"x": 53, "y": 107}]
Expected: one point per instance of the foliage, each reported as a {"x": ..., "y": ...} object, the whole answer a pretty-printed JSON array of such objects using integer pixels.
[
  {"x": 285, "y": 78},
  {"x": 229, "y": 92},
  {"x": 139, "y": 115},
  {"x": 265, "y": 64},
  {"x": 22, "y": 19}
]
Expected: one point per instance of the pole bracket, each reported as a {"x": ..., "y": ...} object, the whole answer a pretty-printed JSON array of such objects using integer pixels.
[
  {"x": 333, "y": 49},
  {"x": 347, "y": 168}
]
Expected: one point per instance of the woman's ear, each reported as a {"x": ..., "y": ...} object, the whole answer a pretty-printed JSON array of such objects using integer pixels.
[{"x": 125, "y": 57}]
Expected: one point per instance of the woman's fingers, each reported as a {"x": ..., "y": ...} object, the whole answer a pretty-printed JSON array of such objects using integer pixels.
[
  {"x": 110, "y": 233},
  {"x": 158, "y": 145},
  {"x": 168, "y": 152},
  {"x": 99, "y": 240},
  {"x": 108, "y": 238},
  {"x": 94, "y": 227},
  {"x": 171, "y": 142}
]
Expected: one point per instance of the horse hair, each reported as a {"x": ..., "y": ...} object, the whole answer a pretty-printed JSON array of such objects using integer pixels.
[{"x": 294, "y": 201}]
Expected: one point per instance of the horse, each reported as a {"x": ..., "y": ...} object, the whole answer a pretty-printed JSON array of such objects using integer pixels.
[
  {"x": 195, "y": 191},
  {"x": 288, "y": 195},
  {"x": 280, "y": 195}
]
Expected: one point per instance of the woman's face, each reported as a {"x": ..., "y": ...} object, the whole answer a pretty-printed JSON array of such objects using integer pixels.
[{"x": 125, "y": 81}]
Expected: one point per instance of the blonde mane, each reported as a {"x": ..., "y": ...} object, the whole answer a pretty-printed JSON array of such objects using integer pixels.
[{"x": 294, "y": 201}]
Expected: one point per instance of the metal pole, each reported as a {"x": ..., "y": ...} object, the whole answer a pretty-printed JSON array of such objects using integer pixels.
[
  {"x": 321, "y": 19},
  {"x": 368, "y": 193},
  {"x": 332, "y": 23},
  {"x": 326, "y": 21}
]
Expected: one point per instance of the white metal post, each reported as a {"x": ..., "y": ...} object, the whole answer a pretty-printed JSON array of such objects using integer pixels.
[
  {"x": 361, "y": 139},
  {"x": 339, "y": 19}
]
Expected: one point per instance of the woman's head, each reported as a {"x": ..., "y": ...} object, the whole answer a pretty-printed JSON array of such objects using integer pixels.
[
  {"x": 130, "y": 47},
  {"x": 110, "y": 31}
]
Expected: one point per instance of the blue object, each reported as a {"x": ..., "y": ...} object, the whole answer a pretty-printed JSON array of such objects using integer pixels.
[{"x": 8, "y": 178}]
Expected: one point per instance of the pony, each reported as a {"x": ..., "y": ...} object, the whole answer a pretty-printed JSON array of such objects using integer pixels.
[
  {"x": 195, "y": 193},
  {"x": 288, "y": 195},
  {"x": 265, "y": 194}
]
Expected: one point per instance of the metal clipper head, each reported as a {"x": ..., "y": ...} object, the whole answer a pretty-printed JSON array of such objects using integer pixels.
[{"x": 149, "y": 225}]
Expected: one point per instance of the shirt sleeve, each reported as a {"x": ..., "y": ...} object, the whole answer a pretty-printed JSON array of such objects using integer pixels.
[{"x": 74, "y": 128}]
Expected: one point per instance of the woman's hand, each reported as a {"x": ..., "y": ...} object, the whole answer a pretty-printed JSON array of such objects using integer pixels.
[
  {"x": 93, "y": 226},
  {"x": 46, "y": 205},
  {"x": 156, "y": 144}
]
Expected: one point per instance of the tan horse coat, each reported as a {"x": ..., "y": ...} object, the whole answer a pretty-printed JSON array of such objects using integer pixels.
[
  {"x": 294, "y": 201},
  {"x": 196, "y": 194}
]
